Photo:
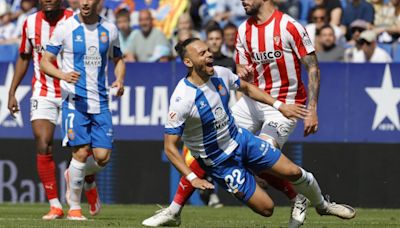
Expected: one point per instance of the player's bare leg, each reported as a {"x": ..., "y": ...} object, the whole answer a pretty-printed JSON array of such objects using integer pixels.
[
  {"x": 305, "y": 183},
  {"x": 261, "y": 203},
  {"x": 43, "y": 131},
  {"x": 300, "y": 203}
]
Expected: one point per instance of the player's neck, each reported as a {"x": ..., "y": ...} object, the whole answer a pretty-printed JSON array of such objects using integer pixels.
[
  {"x": 196, "y": 79},
  {"x": 89, "y": 20},
  {"x": 264, "y": 14},
  {"x": 52, "y": 16}
]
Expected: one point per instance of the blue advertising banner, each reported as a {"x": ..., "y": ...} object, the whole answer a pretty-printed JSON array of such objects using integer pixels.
[{"x": 357, "y": 103}]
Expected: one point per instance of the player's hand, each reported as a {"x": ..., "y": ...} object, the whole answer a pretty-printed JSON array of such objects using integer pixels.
[
  {"x": 201, "y": 184},
  {"x": 119, "y": 88},
  {"x": 311, "y": 122},
  {"x": 294, "y": 111},
  {"x": 12, "y": 105},
  {"x": 245, "y": 73},
  {"x": 71, "y": 77}
]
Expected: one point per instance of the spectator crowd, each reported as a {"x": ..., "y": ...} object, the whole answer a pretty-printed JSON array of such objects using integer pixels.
[{"x": 354, "y": 31}]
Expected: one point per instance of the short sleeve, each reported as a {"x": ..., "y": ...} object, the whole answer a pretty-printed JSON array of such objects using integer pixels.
[
  {"x": 115, "y": 48},
  {"x": 177, "y": 116},
  {"x": 26, "y": 45},
  {"x": 241, "y": 55},
  {"x": 299, "y": 39},
  {"x": 233, "y": 80},
  {"x": 56, "y": 42}
]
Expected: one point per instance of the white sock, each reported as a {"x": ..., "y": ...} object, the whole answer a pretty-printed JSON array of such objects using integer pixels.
[
  {"x": 55, "y": 203},
  {"x": 76, "y": 179},
  {"x": 175, "y": 208},
  {"x": 91, "y": 166},
  {"x": 308, "y": 186}
]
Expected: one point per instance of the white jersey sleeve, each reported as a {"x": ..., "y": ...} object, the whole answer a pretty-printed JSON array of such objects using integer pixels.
[
  {"x": 115, "y": 50},
  {"x": 230, "y": 79},
  {"x": 56, "y": 41},
  {"x": 299, "y": 39},
  {"x": 242, "y": 56},
  {"x": 178, "y": 113}
]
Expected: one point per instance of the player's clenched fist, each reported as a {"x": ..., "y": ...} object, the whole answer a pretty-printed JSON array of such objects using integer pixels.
[
  {"x": 201, "y": 184},
  {"x": 71, "y": 77}
]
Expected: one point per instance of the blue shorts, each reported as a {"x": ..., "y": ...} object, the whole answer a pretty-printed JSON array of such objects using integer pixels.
[
  {"x": 236, "y": 174},
  {"x": 79, "y": 128}
]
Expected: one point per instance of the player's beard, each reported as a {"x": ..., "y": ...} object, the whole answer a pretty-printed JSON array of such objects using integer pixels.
[
  {"x": 253, "y": 10},
  {"x": 52, "y": 14}
]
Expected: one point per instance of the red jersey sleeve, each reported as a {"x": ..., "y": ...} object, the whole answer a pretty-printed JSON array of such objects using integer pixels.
[
  {"x": 25, "y": 46},
  {"x": 299, "y": 39}
]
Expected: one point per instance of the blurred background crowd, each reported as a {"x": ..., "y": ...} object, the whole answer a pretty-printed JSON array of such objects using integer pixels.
[{"x": 341, "y": 30}]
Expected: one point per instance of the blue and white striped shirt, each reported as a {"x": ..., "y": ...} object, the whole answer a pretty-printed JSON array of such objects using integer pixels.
[
  {"x": 201, "y": 115},
  {"x": 85, "y": 48}
]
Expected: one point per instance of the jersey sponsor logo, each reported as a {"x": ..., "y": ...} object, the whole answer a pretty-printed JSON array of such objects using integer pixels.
[
  {"x": 93, "y": 57},
  {"x": 386, "y": 98},
  {"x": 202, "y": 104},
  {"x": 281, "y": 129},
  {"x": 267, "y": 56},
  {"x": 221, "y": 119}
]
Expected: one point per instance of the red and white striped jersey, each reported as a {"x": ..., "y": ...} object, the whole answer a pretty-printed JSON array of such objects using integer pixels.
[
  {"x": 274, "y": 49},
  {"x": 36, "y": 33}
]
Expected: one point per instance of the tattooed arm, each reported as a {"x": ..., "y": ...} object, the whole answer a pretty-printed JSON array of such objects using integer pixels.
[{"x": 311, "y": 64}]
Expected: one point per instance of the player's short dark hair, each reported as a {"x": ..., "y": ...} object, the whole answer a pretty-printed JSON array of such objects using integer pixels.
[
  {"x": 180, "y": 47},
  {"x": 122, "y": 13},
  {"x": 214, "y": 28}
]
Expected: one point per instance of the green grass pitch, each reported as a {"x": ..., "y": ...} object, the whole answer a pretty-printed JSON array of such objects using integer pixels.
[{"x": 29, "y": 215}]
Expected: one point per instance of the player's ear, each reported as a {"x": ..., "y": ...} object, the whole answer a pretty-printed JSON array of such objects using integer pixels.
[{"x": 188, "y": 62}]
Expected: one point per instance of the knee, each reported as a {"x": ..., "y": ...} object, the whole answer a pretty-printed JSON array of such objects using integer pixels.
[
  {"x": 102, "y": 159},
  {"x": 294, "y": 173},
  {"x": 81, "y": 154},
  {"x": 267, "y": 211},
  {"x": 43, "y": 145}
]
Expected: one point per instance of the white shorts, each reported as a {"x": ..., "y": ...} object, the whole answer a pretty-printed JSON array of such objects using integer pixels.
[
  {"x": 258, "y": 117},
  {"x": 45, "y": 108}
]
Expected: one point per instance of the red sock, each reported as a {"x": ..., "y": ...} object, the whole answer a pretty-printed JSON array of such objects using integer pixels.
[
  {"x": 47, "y": 173},
  {"x": 280, "y": 184},
  {"x": 185, "y": 189}
]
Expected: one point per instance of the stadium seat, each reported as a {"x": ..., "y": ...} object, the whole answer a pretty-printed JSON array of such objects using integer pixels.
[
  {"x": 396, "y": 53},
  {"x": 387, "y": 47}
]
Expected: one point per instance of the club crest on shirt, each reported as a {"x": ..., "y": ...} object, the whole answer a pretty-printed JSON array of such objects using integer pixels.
[
  {"x": 277, "y": 40},
  {"x": 71, "y": 134},
  {"x": 172, "y": 117},
  {"x": 92, "y": 58},
  {"x": 221, "y": 90},
  {"x": 103, "y": 37},
  {"x": 221, "y": 119}
]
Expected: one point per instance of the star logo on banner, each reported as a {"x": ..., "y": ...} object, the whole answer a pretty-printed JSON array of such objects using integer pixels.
[
  {"x": 22, "y": 91},
  {"x": 386, "y": 98}
]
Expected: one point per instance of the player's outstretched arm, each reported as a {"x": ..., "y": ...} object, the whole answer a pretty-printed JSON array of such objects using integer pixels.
[
  {"x": 119, "y": 71},
  {"x": 20, "y": 70},
  {"x": 310, "y": 62},
  {"x": 289, "y": 111},
  {"x": 172, "y": 152},
  {"x": 46, "y": 65}
]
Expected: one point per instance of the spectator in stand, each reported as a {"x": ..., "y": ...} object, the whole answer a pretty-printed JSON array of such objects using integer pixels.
[
  {"x": 126, "y": 34},
  {"x": 184, "y": 24},
  {"x": 6, "y": 25},
  {"x": 330, "y": 51},
  {"x": 290, "y": 7},
  {"x": 228, "y": 48},
  {"x": 28, "y": 7},
  {"x": 356, "y": 28},
  {"x": 387, "y": 22},
  {"x": 357, "y": 9},
  {"x": 143, "y": 47},
  {"x": 370, "y": 51},
  {"x": 377, "y": 4},
  {"x": 318, "y": 19},
  {"x": 215, "y": 38},
  {"x": 333, "y": 8},
  {"x": 73, "y": 5},
  {"x": 105, "y": 12},
  {"x": 230, "y": 10},
  {"x": 182, "y": 35}
]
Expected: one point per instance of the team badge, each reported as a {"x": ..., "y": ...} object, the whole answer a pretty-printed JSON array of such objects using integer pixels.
[
  {"x": 221, "y": 90},
  {"x": 71, "y": 135},
  {"x": 172, "y": 116},
  {"x": 277, "y": 40},
  {"x": 104, "y": 37}
]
